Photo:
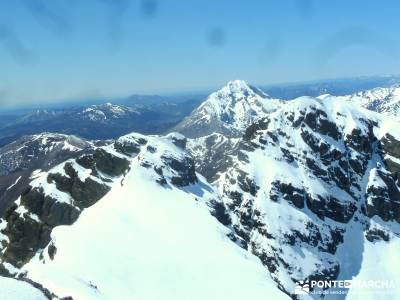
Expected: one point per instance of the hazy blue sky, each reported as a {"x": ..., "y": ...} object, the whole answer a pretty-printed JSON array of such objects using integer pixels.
[{"x": 64, "y": 49}]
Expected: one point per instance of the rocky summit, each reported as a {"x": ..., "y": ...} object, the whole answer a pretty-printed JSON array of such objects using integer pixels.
[{"x": 252, "y": 197}]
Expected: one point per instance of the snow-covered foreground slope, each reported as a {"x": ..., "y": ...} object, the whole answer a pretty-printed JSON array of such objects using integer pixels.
[{"x": 145, "y": 241}]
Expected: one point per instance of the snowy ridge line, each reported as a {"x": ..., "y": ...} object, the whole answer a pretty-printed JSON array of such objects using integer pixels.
[{"x": 384, "y": 100}]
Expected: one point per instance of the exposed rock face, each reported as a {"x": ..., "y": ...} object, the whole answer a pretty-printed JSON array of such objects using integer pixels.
[
  {"x": 177, "y": 168},
  {"x": 212, "y": 154},
  {"x": 110, "y": 164},
  {"x": 56, "y": 198},
  {"x": 184, "y": 170},
  {"x": 391, "y": 149},
  {"x": 43, "y": 151},
  {"x": 39, "y": 150},
  {"x": 84, "y": 193},
  {"x": 47, "y": 208},
  {"x": 383, "y": 195}
]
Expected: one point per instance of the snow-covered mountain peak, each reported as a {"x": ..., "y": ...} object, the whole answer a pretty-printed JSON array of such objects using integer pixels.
[
  {"x": 237, "y": 83},
  {"x": 228, "y": 111},
  {"x": 235, "y": 91},
  {"x": 238, "y": 88}
]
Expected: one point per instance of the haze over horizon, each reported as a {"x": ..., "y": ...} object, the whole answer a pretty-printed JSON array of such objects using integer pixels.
[{"x": 52, "y": 51}]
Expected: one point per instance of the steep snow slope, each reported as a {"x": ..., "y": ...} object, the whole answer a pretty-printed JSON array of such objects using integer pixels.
[
  {"x": 382, "y": 100},
  {"x": 378, "y": 264},
  {"x": 228, "y": 111},
  {"x": 151, "y": 243},
  {"x": 149, "y": 234}
]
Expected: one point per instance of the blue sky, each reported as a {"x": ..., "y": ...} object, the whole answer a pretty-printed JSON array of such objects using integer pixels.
[{"x": 69, "y": 49}]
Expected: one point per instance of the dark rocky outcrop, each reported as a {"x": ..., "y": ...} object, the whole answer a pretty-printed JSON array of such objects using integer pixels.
[
  {"x": 288, "y": 192},
  {"x": 178, "y": 140},
  {"x": 252, "y": 129},
  {"x": 391, "y": 146},
  {"x": 219, "y": 211},
  {"x": 130, "y": 147},
  {"x": 30, "y": 223},
  {"x": 375, "y": 234},
  {"x": 383, "y": 200},
  {"x": 184, "y": 170},
  {"x": 43, "y": 151},
  {"x": 317, "y": 120},
  {"x": 110, "y": 164}
]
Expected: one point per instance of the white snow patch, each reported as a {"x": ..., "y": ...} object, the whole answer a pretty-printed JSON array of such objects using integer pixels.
[
  {"x": 379, "y": 262},
  {"x": 143, "y": 241},
  {"x": 12, "y": 289}
]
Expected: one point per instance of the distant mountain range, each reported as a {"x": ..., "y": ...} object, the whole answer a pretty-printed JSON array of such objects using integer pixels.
[
  {"x": 336, "y": 87},
  {"x": 154, "y": 114},
  {"x": 100, "y": 121}
]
